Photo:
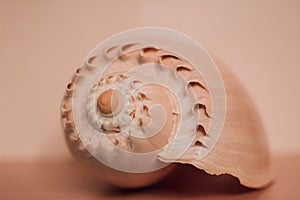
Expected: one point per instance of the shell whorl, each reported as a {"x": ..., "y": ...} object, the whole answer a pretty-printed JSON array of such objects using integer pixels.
[{"x": 146, "y": 102}]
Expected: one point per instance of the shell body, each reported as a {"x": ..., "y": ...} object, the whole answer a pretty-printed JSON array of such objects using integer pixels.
[{"x": 148, "y": 98}]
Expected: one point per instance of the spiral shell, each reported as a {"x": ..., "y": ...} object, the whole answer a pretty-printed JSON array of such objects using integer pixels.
[{"x": 145, "y": 99}]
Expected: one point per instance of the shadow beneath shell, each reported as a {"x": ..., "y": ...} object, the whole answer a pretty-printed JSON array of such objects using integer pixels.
[{"x": 187, "y": 181}]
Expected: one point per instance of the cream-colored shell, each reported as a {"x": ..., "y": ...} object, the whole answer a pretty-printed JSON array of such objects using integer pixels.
[{"x": 205, "y": 118}]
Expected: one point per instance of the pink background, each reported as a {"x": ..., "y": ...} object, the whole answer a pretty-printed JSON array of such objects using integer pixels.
[{"x": 43, "y": 42}]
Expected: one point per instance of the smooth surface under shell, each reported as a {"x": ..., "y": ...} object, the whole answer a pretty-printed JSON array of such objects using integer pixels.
[{"x": 147, "y": 98}]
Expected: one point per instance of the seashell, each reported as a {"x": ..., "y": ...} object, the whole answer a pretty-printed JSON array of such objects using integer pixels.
[{"x": 146, "y": 100}]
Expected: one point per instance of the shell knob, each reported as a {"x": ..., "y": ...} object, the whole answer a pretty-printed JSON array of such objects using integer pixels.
[{"x": 108, "y": 102}]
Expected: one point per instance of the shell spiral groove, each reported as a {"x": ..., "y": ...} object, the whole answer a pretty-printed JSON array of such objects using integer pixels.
[{"x": 139, "y": 103}]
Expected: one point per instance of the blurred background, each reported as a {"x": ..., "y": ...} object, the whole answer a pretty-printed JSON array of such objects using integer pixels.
[{"x": 43, "y": 42}]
